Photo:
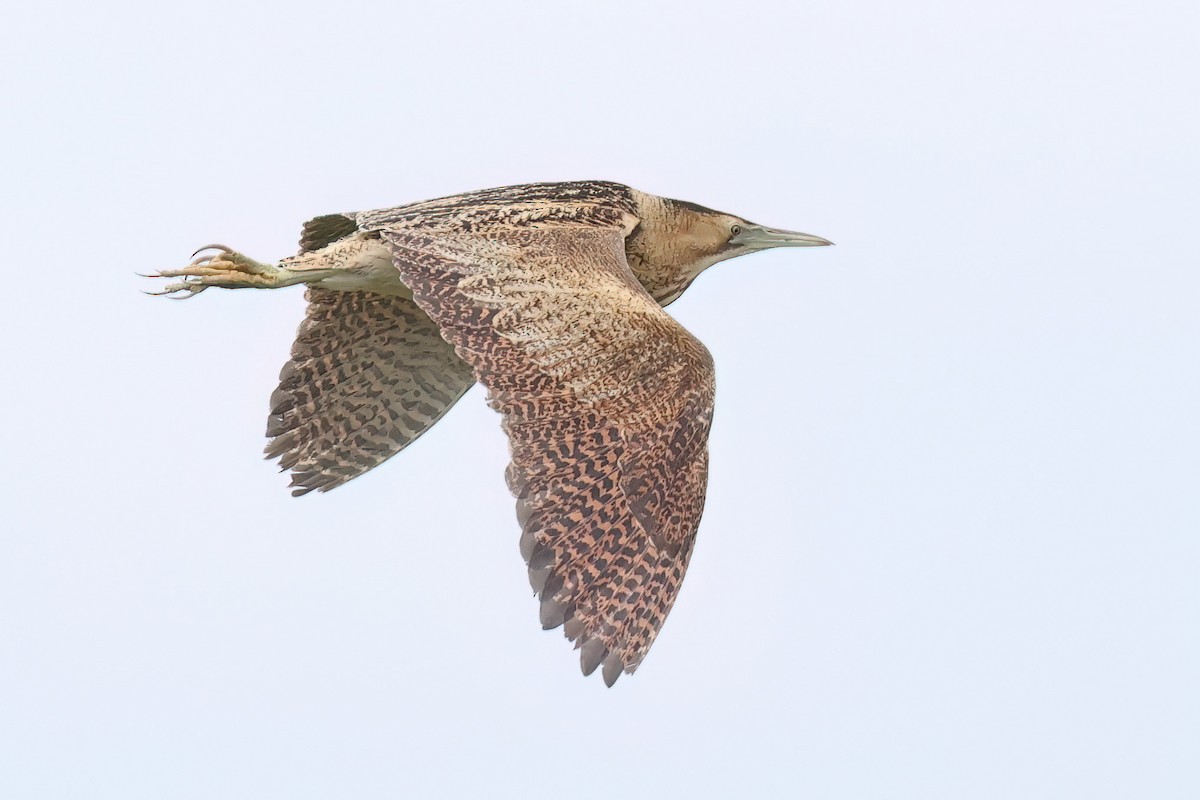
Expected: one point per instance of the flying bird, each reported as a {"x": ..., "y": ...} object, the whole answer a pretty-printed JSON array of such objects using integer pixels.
[{"x": 551, "y": 295}]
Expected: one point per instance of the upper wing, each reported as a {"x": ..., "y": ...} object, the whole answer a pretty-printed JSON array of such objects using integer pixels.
[{"x": 607, "y": 403}]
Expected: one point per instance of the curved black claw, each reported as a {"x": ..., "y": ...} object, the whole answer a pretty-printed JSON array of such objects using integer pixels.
[{"x": 220, "y": 247}]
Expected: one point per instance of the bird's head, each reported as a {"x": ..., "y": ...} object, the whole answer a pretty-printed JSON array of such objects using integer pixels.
[
  {"x": 677, "y": 240},
  {"x": 708, "y": 234}
]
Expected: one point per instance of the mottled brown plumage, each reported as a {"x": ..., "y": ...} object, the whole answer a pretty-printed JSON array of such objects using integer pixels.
[
  {"x": 369, "y": 373},
  {"x": 551, "y": 295}
]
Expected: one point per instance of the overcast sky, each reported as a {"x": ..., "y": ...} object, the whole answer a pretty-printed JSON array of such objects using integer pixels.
[{"x": 953, "y": 530}]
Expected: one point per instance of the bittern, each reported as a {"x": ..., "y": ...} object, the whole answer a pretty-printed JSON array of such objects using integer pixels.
[{"x": 552, "y": 296}]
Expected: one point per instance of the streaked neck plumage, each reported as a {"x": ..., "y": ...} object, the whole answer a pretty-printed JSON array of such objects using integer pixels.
[{"x": 672, "y": 244}]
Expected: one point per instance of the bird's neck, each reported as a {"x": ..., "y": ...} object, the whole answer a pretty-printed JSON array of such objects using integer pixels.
[{"x": 660, "y": 254}]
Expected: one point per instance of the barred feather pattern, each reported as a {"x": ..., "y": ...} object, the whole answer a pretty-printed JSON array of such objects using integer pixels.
[
  {"x": 607, "y": 402},
  {"x": 573, "y": 202},
  {"x": 369, "y": 374}
]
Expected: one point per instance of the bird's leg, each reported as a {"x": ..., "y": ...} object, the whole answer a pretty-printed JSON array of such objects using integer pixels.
[{"x": 229, "y": 269}]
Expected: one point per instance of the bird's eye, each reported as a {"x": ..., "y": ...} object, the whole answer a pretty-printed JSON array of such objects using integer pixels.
[{"x": 735, "y": 230}]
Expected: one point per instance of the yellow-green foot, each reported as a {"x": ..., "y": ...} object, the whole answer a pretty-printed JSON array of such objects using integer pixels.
[{"x": 224, "y": 268}]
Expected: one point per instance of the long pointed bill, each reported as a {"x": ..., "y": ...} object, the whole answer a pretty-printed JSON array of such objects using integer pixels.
[{"x": 758, "y": 237}]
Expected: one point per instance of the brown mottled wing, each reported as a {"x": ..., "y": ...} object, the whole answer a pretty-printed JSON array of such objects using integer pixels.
[
  {"x": 369, "y": 373},
  {"x": 324, "y": 230},
  {"x": 607, "y": 403}
]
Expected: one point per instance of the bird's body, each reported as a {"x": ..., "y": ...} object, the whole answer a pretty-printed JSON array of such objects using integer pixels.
[
  {"x": 551, "y": 295},
  {"x": 665, "y": 260}
]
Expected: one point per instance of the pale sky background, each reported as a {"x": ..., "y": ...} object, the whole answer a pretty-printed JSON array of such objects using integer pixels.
[{"x": 953, "y": 531}]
